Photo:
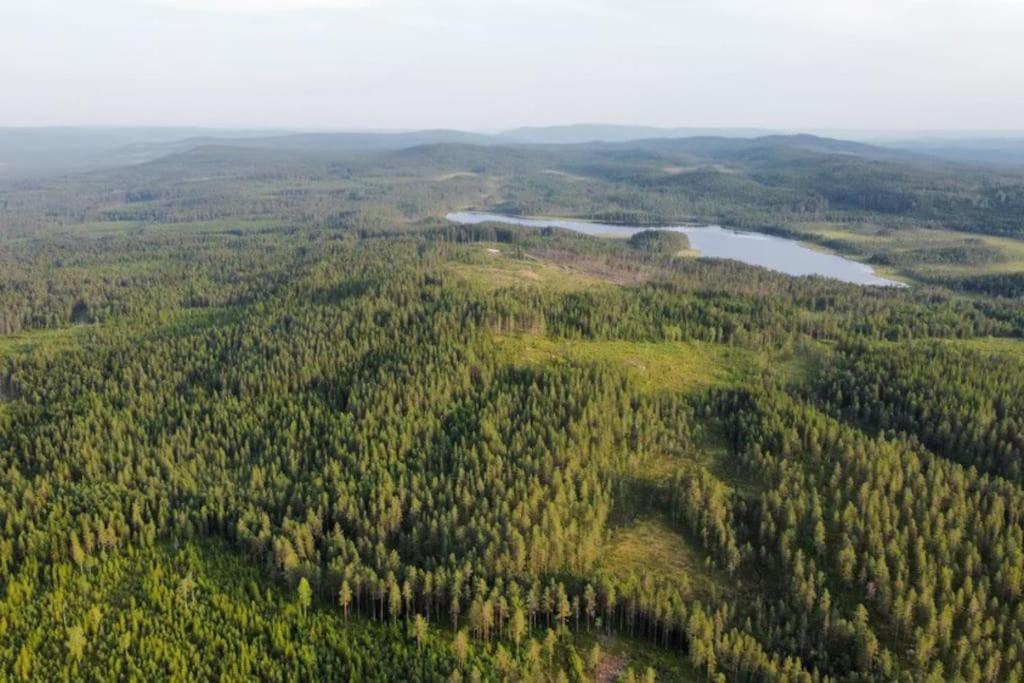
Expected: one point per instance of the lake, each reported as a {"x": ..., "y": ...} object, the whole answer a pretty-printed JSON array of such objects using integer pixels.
[{"x": 757, "y": 249}]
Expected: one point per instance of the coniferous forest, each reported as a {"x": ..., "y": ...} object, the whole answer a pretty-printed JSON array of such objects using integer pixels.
[{"x": 266, "y": 415}]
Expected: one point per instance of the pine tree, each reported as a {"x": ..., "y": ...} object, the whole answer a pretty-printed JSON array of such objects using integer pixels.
[
  {"x": 345, "y": 597},
  {"x": 420, "y": 631},
  {"x": 305, "y": 595}
]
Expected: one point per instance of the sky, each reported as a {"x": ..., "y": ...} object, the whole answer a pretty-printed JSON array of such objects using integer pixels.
[{"x": 496, "y": 64}]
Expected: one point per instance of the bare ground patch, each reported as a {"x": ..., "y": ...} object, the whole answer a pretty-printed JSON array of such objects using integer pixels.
[{"x": 610, "y": 668}]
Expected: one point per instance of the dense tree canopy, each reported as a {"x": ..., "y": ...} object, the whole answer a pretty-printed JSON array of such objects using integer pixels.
[{"x": 295, "y": 448}]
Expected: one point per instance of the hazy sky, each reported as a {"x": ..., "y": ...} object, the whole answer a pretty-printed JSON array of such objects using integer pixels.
[{"x": 483, "y": 64}]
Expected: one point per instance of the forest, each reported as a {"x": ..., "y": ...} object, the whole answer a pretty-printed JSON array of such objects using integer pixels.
[{"x": 265, "y": 414}]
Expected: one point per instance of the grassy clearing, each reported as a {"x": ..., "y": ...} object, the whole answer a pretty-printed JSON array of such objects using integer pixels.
[
  {"x": 564, "y": 175},
  {"x": 41, "y": 341},
  {"x": 717, "y": 457},
  {"x": 498, "y": 265},
  {"x": 872, "y": 239},
  {"x": 800, "y": 366},
  {"x": 1008, "y": 347},
  {"x": 109, "y": 228},
  {"x": 187, "y": 321},
  {"x": 219, "y": 226},
  {"x": 1013, "y": 348},
  {"x": 452, "y": 176},
  {"x": 648, "y": 546},
  {"x": 656, "y": 366},
  {"x": 660, "y": 470}
]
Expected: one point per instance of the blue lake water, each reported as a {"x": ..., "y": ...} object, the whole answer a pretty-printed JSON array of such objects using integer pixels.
[{"x": 757, "y": 249}]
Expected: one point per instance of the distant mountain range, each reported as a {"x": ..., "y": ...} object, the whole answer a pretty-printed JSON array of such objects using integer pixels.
[
  {"x": 32, "y": 152},
  {"x": 596, "y": 132},
  {"x": 1002, "y": 151},
  {"x": 26, "y": 152}
]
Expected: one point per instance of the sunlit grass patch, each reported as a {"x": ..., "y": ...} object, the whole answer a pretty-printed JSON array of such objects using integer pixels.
[
  {"x": 45, "y": 341},
  {"x": 656, "y": 366},
  {"x": 498, "y": 265},
  {"x": 910, "y": 247},
  {"x": 650, "y": 547},
  {"x": 134, "y": 227},
  {"x": 1005, "y": 346}
]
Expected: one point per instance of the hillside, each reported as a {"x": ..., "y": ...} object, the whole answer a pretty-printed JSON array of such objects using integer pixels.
[{"x": 265, "y": 414}]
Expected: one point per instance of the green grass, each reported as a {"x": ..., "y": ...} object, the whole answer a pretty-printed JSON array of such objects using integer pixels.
[
  {"x": 689, "y": 367},
  {"x": 648, "y": 546},
  {"x": 1008, "y": 347},
  {"x": 216, "y": 226},
  {"x": 800, "y": 366},
  {"x": 872, "y": 239},
  {"x": 189, "y": 320},
  {"x": 457, "y": 174},
  {"x": 41, "y": 341},
  {"x": 655, "y": 366},
  {"x": 108, "y": 228},
  {"x": 1013, "y": 348},
  {"x": 717, "y": 457},
  {"x": 497, "y": 265},
  {"x": 660, "y": 469}
]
